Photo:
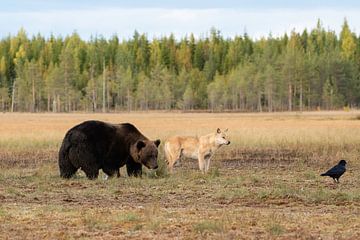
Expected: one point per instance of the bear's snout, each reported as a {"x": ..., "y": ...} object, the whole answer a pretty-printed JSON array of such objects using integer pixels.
[
  {"x": 151, "y": 164},
  {"x": 154, "y": 165}
]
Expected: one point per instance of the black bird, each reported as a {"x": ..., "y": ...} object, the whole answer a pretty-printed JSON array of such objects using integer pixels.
[{"x": 336, "y": 171}]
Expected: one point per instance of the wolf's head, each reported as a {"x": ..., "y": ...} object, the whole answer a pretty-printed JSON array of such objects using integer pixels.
[{"x": 220, "y": 137}]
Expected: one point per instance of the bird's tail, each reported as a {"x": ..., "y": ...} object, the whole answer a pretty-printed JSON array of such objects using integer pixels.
[{"x": 323, "y": 174}]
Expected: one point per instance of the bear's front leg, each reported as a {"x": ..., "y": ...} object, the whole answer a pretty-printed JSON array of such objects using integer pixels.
[
  {"x": 110, "y": 172},
  {"x": 107, "y": 176},
  {"x": 133, "y": 168}
]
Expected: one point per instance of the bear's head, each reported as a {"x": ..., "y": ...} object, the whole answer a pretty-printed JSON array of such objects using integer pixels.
[{"x": 146, "y": 153}]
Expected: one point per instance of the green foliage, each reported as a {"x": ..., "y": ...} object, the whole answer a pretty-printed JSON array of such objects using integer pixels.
[{"x": 313, "y": 70}]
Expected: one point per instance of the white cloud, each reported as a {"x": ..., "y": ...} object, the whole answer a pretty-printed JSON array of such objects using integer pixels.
[{"x": 181, "y": 22}]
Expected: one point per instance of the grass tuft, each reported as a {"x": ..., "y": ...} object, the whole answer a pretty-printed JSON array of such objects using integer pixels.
[
  {"x": 211, "y": 226},
  {"x": 275, "y": 229},
  {"x": 129, "y": 217},
  {"x": 3, "y": 212},
  {"x": 310, "y": 175},
  {"x": 214, "y": 173}
]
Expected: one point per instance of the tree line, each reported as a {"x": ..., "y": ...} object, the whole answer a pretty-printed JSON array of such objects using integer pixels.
[{"x": 312, "y": 69}]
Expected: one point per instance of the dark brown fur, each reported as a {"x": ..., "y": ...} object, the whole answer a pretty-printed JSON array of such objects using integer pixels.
[{"x": 95, "y": 145}]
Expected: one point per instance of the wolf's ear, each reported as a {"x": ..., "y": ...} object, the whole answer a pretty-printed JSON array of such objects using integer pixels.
[
  {"x": 140, "y": 144},
  {"x": 218, "y": 130},
  {"x": 157, "y": 142},
  {"x": 226, "y": 130}
]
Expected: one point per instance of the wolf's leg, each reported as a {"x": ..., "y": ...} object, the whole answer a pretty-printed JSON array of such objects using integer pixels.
[
  {"x": 175, "y": 160},
  {"x": 178, "y": 158},
  {"x": 201, "y": 163},
  {"x": 207, "y": 163},
  {"x": 168, "y": 156},
  {"x": 170, "y": 165},
  {"x": 171, "y": 161},
  {"x": 172, "y": 154}
]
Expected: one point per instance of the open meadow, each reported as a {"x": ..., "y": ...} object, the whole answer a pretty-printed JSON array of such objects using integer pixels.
[{"x": 265, "y": 184}]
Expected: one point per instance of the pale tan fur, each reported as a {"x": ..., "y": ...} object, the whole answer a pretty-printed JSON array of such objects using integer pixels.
[{"x": 201, "y": 148}]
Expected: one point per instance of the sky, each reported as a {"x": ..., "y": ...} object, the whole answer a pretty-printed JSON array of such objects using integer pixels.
[{"x": 156, "y": 18}]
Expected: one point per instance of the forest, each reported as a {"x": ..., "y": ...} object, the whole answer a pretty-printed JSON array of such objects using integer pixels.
[{"x": 316, "y": 69}]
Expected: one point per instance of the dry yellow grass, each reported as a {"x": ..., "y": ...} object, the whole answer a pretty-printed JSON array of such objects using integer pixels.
[
  {"x": 320, "y": 135},
  {"x": 266, "y": 184},
  {"x": 248, "y": 129}
]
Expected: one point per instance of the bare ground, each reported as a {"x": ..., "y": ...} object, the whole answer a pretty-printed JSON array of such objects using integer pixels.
[{"x": 236, "y": 200}]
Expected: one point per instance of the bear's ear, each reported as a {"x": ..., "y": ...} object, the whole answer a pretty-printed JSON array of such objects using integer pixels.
[
  {"x": 218, "y": 130},
  {"x": 157, "y": 142},
  {"x": 140, "y": 144}
]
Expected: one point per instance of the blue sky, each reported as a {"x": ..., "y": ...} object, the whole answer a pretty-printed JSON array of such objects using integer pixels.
[{"x": 160, "y": 17}]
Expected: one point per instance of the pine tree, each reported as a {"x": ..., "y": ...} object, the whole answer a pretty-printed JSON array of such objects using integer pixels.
[{"x": 308, "y": 70}]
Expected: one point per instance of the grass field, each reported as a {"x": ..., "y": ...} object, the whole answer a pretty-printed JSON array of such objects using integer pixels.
[{"x": 266, "y": 184}]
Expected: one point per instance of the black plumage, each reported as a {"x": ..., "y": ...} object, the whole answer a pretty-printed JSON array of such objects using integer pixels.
[{"x": 337, "y": 171}]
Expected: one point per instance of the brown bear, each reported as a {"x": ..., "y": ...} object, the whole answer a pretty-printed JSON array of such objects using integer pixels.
[{"x": 95, "y": 145}]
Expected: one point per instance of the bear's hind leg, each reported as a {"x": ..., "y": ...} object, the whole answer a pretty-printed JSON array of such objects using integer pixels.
[
  {"x": 66, "y": 167},
  {"x": 87, "y": 160},
  {"x": 67, "y": 170}
]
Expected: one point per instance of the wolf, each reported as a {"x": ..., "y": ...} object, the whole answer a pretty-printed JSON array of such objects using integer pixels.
[{"x": 201, "y": 148}]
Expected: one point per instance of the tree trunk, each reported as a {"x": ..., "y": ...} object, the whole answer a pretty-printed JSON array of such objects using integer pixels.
[
  {"x": 104, "y": 89},
  {"x": 33, "y": 94},
  {"x": 289, "y": 97},
  {"x": 48, "y": 102},
  {"x": 2, "y": 104},
  {"x": 128, "y": 100},
  {"x": 59, "y": 103},
  {"x": 309, "y": 98},
  {"x": 13, "y": 96},
  {"x": 66, "y": 89},
  {"x": 54, "y": 108},
  {"x": 270, "y": 100},
  {"x": 259, "y": 103},
  {"x": 301, "y": 96},
  {"x": 108, "y": 97},
  {"x": 93, "y": 97}
]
